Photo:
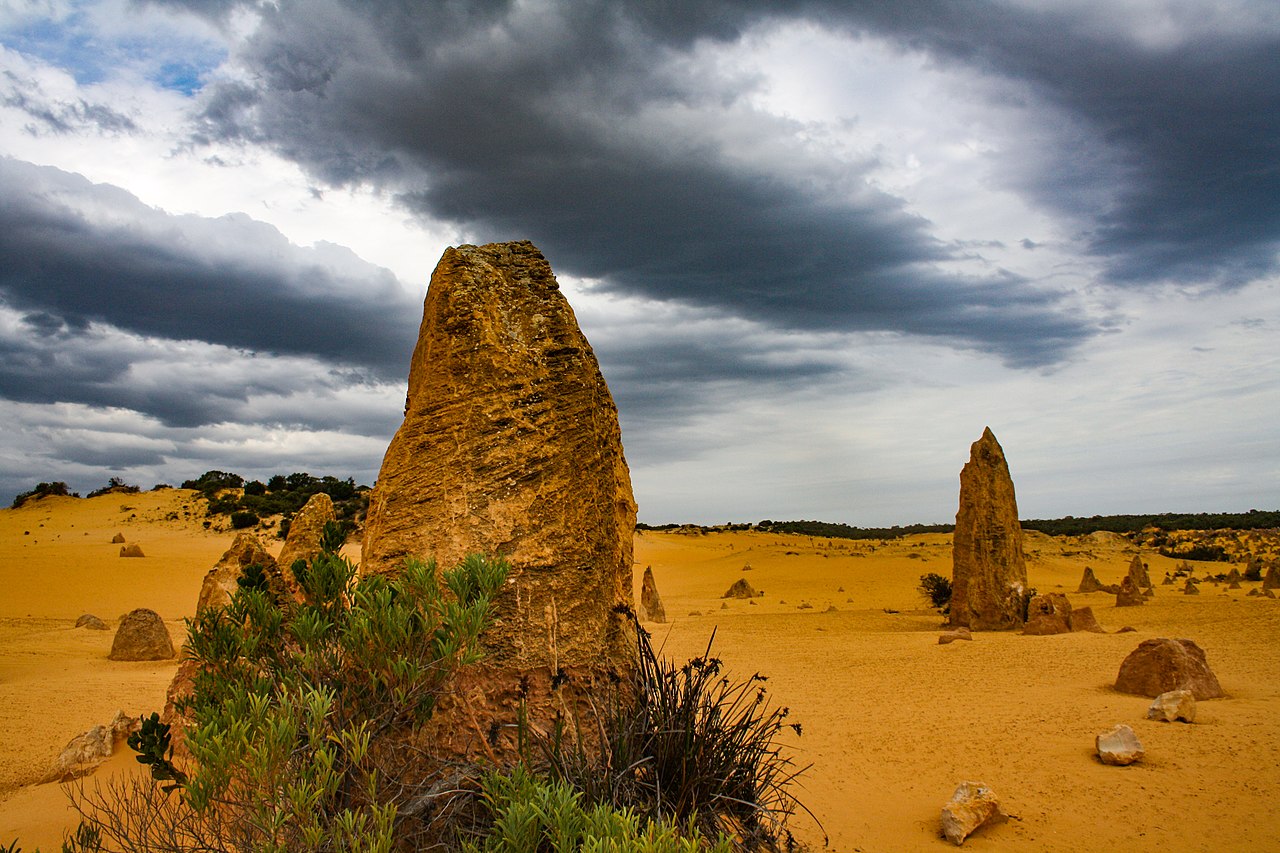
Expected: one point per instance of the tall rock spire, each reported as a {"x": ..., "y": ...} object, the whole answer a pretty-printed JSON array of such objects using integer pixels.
[
  {"x": 510, "y": 446},
  {"x": 989, "y": 573}
]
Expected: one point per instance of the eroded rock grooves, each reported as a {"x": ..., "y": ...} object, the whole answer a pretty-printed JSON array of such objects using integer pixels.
[
  {"x": 989, "y": 574},
  {"x": 510, "y": 446}
]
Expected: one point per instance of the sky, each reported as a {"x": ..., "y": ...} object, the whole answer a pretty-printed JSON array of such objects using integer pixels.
[{"x": 816, "y": 246}]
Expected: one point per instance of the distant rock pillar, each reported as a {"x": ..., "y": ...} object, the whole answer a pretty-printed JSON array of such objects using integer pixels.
[
  {"x": 989, "y": 573},
  {"x": 510, "y": 446}
]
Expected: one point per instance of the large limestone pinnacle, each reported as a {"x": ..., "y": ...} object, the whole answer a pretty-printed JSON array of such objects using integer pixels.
[
  {"x": 989, "y": 574},
  {"x": 510, "y": 446}
]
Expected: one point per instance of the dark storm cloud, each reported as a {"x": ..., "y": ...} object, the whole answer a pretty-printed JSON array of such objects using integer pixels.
[
  {"x": 76, "y": 252},
  {"x": 1182, "y": 138},
  {"x": 593, "y": 131}
]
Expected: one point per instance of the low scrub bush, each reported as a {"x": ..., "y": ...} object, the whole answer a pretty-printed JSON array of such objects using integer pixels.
[
  {"x": 530, "y": 814},
  {"x": 686, "y": 745},
  {"x": 937, "y": 589},
  {"x": 302, "y": 717},
  {"x": 42, "y": 490}
]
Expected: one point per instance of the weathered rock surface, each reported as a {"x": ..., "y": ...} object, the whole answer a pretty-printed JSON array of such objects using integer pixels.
[
  {"x": 1082, "y": 619},
  {"x": 303, "y": 539},
  {"x": 1272, "y": 578},
  {"x": 91, "y": 622},
  {"x": 1138, "y": 571},
  {"x": 510, "y": 446},
  {"x": 1089, "y": 581},
  {"x": 989, "y": 572},
  {"x": 972, "y": 806},
  {"x": 741, "y": 589},
  {"x": 220, "y": 583},
  {"x": 118, "y": 539},
  {"x": 142, "y": 635},
  {"x": 1233, "y": 576},
  {"x": 954, "y": 634},
  {"x": 1129, "y": 594},
  {"x": 651, "y": 608},
  {"x": 1162, "y": 664},
  {"x": 87, "y": 751},
  {"x": 1119, "y": 746},
  {"x": 134, "y": 550},
  {"x": 1191, "y": 588},
  {"x": 1048, "y": 614},
  {"x": 1174, "y": 705}
]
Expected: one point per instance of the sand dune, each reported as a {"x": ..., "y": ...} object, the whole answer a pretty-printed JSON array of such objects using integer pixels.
[{"x": 892, "y": 721}]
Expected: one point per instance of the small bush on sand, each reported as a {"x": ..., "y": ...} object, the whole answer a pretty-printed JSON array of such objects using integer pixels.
[
  {"x": 303, "y": 716},
  {"x": 686, "y": 745},
  {"x": 937, "y": 589},
  {"x": 40, "y": 491},
  {"x": 529, "y": 814}
]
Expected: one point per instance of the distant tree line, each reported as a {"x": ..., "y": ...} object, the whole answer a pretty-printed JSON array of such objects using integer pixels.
[
  {"x": 1071, "y": 526},
  {"x": 1067, "y": 526},
  {"x": 249, "y": 502},
  {"x": 844, "y": 531}
]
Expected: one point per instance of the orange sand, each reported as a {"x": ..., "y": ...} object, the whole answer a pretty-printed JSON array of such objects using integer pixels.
[{"x": 892, "y": 721}]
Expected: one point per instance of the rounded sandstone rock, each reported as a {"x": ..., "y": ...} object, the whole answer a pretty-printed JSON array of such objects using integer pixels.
[
  {"x": 1162, "y": 664},
  {"x": 142, "y": 635}
]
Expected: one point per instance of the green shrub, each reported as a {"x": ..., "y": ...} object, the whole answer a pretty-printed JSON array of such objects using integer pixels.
[
  {"x": 40, "y": 491},
  {"x": 687, "y": 745},
  {"x": 243, "y": 519},
  {"x": 937, "y": 589},
  {"x": 529, "y": 814},
  {"x": 303, "y": 716}
]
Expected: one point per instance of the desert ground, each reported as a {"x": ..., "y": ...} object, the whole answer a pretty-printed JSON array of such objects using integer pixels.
[{"x": 892, "y": 721}]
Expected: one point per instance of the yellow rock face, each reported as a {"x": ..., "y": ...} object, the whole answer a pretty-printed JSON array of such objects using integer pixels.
[
  {"x": 510, "y": 446},
  {"x": 989, "y": 574}
]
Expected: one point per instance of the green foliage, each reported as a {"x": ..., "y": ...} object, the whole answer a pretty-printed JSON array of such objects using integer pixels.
[
  {"x": 1071, "y": 526},
  {"x": 937, "y": 589},
  {"x": 152, "y": 743},
  {"x": 529, "y": 814},
  {"x": 115, "y": 485},
  {"x": 302, "y": 716},
  {"x": 241, "y": 520},
  {"x": 686, "y": 744},
  {"x": 211, "y": 482},
  {"x": 1203, "y": 552},
  {"x": 42, "y": 490}
]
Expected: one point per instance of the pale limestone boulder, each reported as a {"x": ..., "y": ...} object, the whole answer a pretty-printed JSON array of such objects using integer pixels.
[
  {"x": 989, "y": 571},
  {"x": 971, "y": 807},
  {"x": 1173, "y": 705},
  {"x": 1138, "y": 571},
  {"x": 954, "y": 634},
  {"x": 1119, "y": 746},
  {"x": 85, "y": 752}
]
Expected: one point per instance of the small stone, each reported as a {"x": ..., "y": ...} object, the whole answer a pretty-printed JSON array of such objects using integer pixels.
[
  {"x": 651, "y": 608},
  {"x": 973, "y": 805},
  {"x": 954, "y": 634},
  {"x": 1127, "y": 629},
  {"x": 91, "y": 622},
  {"x": 1119, "y": 746},
  {"x": 1191, "y": 588},
  {"x": 1129, "y": 595},
  {"x": 740, "y": 589},
  {"x": 1089, "y": 581},
  {"x": 118, "y": 539},
  {"x": 1173, "y": 705},
  {"x": 134, "y": 550},
  {"x": 1048, "y": 614}
]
